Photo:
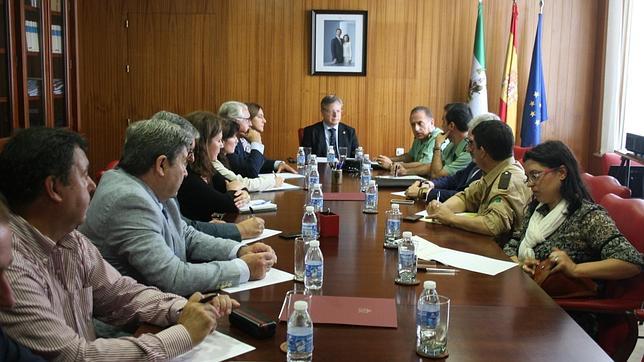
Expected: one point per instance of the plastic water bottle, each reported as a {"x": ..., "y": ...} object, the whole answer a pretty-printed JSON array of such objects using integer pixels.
[
  {"x": 407, "y": 258},
  {"x": 392, "y": 228},
  {"x": 330, "y": 155},
  {"x": 314, "y": 174},
  {"x": 365, "y": 176},
  {"x": 371, "y": 197},
  {"x": 313, "y": 266},
  {"x": 317, "y": 198},
  {"x": 427, "y": 320},
  {"x": 299, "y": 335},
  {"x": 309, "y": 224},
  {"x": 301, "y": 158},
  {"x": 359, "y": 154}
]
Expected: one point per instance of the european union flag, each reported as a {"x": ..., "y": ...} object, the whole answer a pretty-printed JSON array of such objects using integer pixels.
[{"x": 535, "y": 109}]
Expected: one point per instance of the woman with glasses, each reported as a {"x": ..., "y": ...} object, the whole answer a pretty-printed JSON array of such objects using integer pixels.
[
  {"x": 229, "y": 142},
  {"x": 205, "y": 191},
  {"x": 563, "y": 223}
]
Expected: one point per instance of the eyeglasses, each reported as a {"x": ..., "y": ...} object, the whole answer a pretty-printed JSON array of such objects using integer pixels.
[
  {"x": 534, "y": 176},
  {"x": 243, "y": 119}
]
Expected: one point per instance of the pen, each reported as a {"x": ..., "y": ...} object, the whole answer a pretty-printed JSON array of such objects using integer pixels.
[
  {"x": 252, "y": 212},
  {"x": 438, "y": 196},
  {"x": 205, "y": 299}
]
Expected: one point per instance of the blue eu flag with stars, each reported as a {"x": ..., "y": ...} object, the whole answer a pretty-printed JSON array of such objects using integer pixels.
[{"x": 535, "y": 110}]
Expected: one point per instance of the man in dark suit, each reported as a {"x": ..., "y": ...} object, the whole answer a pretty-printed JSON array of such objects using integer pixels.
[
  {"x": 330, "y": 132},
  {"x": 336, "y": 48}
]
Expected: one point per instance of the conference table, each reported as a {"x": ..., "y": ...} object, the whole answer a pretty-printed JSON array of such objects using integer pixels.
[{"x": 506, "y": 317}]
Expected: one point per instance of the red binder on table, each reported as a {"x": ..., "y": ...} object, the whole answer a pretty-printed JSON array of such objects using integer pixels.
[
  {"x": 343, "y": 196},
  {"x": 372, "y": 312}
]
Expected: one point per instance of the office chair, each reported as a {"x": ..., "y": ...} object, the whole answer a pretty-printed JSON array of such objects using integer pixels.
[
  {"x": 600, "y": 186},
  {"x": 617, "y": 308}
]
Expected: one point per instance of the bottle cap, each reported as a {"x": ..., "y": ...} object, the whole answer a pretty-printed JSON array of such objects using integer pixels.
[
  {"x": 407, "y": 234},
  {"x": 300, "y": 305},
  {"x": 314, "y": 243},
  {"x": 372, "y": 182},
  {"x": 309, "y": 209},
  {"x": 395, "y": 207},
  {"x": 429, "y": 284}
]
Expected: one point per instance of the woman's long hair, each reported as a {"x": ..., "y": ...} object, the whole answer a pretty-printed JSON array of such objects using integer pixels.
[
  {"x": 553, "y": 154},
  {"x": 229, "y": 129},
  {"x": 208, "y": 125}
]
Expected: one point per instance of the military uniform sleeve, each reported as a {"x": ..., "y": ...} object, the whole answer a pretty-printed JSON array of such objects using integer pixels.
[
  {"x": 506, "y": 204},
  {"x": 472, "y": 196}
]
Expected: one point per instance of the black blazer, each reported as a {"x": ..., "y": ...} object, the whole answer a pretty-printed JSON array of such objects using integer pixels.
[
  {"x": 249, "y": 164},
  {"x": 315, "y": 138}
]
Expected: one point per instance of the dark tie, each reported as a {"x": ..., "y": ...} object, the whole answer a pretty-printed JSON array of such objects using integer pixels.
[{"x": 332, "y": 140}]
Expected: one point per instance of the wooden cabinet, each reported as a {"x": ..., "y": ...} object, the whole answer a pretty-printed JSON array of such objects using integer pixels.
[{"x": 38, "y": 65}]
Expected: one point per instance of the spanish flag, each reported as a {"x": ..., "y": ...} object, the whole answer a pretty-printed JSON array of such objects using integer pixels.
[{"x": 509, "y": 86}]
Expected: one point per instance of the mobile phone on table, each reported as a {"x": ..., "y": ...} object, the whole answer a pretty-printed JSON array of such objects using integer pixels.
[
  {"x": 402, "y": 201},
  {"x": 412, "y": 218},
  {"x": 292, "y": 235}
]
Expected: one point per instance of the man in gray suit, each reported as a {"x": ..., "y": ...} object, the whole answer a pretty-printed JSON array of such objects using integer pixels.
[{"x": 135, "y": 222}]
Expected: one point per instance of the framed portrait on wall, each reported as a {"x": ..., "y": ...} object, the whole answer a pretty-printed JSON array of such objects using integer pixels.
[{"x": 338, "y": 42}]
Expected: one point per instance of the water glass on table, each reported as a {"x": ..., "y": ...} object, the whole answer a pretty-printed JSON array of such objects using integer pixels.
[{"x": 300, "y": 248}]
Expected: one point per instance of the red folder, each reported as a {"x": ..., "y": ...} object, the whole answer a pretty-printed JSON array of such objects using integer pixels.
[
  {"x": 372, "y": 312},
  {"x": 343, "y": 196}
]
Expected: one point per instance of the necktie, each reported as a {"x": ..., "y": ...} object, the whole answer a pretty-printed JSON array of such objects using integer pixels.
[{"x": 332, "y": 140}]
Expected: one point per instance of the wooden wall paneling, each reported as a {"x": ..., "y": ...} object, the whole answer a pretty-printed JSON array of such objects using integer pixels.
[
  {"x": 419, "y": 52},
  {"x": 103, "y": 96}
]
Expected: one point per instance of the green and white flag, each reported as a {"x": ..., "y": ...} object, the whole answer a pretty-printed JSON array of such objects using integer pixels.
[{"x": 477, "y": 96}]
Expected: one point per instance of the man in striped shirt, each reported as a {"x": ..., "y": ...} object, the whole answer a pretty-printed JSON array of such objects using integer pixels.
[{"x": 59, "y": 279}]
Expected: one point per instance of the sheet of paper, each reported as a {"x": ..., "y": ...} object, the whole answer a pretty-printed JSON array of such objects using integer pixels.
[
  {"x": 258, "y": 206},
  {"x": 477, "y": 263},
  {"x": 216, "y": 347},
  {"x": 274, "y": 276},
  {"x": 284, "y": 175},
  {"x": 285, "y": 186},
  {"x": 410, "y": 177},
  {"x": 266, "y": 234},
  {"x": 399, "y": 193},
  {"x": 432, "y": 221}
]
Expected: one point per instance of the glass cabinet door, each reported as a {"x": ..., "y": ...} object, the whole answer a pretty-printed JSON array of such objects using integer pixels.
[
  {"x": 35, "y": 65},
  {"x": 6, "y": 120},
  {"x": 59, "y": 76}
]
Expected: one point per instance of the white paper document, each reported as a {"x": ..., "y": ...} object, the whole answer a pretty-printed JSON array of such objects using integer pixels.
[
  {"x": 258, "y": 206},
  {"x": 284, "y": 175},
  {"x": 399, "y": 193},
  {"x": 274, "y": 276},
  {"x": 477, "y": 263},
  {"x": 285, "y": 186},
  {"x": 216, "y": 347},
  {"x": 265, "y": 235}
]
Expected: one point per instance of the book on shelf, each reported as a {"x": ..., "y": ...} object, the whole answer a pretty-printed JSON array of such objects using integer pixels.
[
  {"x": 57, "y": 39},
  {"x": 31, "y": 32},
  {"x": 59, "y": 86},
  {"x": 33, "y": 87},
  {"x": 56, "y": 5}
]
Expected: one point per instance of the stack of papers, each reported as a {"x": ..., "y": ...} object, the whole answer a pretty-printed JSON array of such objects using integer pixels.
[
  {"x": 434, "y": 221},
  {"x": 283, "y": 175},
  {"x": 400, "y": 181},
  {"x": 481, "y": 264},
  {"x": 285, "y": 186},
  {"x": 273, "y": 276},
  {"x": 258, "y": 206}
]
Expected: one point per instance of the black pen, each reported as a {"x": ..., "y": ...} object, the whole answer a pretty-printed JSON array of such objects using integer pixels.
[
  {"x": 252, "y": 212},
  {"x": 205, "y": 299}
]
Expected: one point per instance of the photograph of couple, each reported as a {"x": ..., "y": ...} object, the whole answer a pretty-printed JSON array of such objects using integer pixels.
[{"x": 340, "y": 48}]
